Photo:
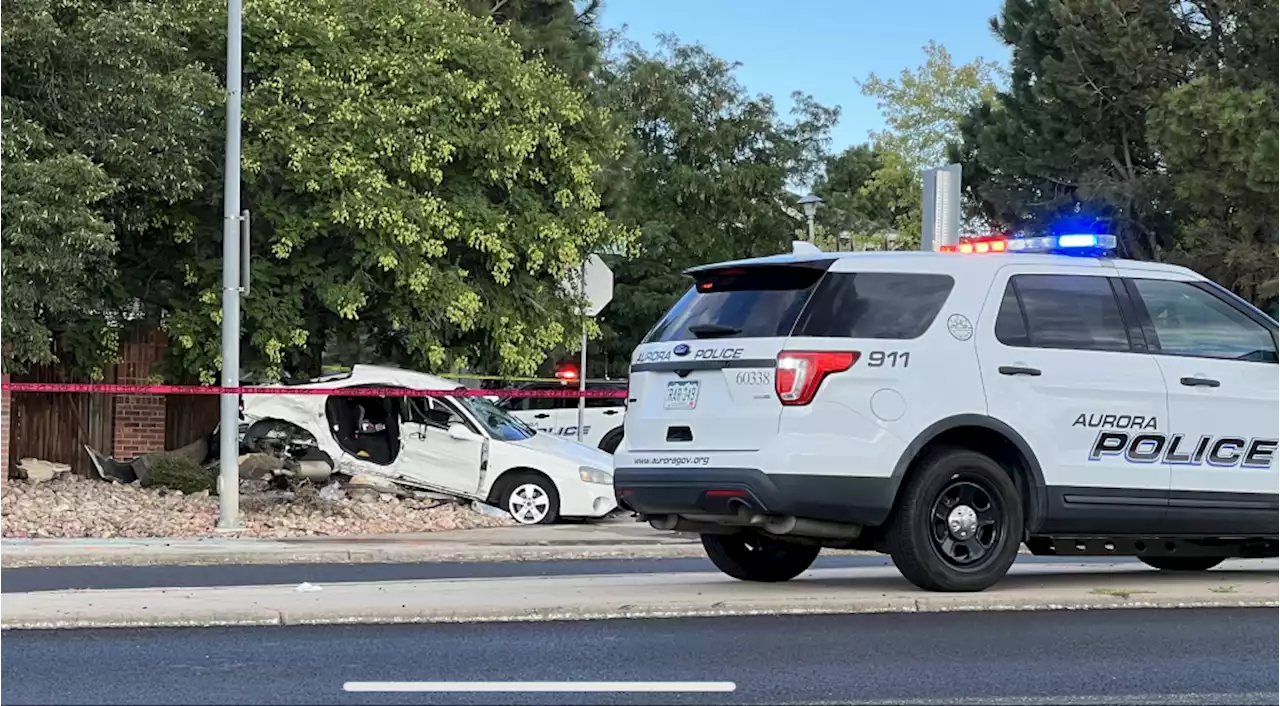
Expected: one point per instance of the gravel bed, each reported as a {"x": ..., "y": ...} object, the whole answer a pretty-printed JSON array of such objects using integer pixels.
[{"x": 76, "y": 507}]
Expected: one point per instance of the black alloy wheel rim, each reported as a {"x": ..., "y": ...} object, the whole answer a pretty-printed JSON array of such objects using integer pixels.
[{"x": 966, "y": 522}]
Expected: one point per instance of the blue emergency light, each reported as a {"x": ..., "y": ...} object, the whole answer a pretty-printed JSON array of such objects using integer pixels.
[{"x": 1078, "y": 244}]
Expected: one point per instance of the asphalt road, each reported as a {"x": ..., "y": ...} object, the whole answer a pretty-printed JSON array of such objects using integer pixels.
[
  {"x": 103, "y": 577},
  {"x": 1223, "y": 656}
]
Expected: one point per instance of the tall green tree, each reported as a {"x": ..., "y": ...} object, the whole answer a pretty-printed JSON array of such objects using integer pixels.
[
  {"x": 706, "y": 179},
  {"x": 923, "y": 109},
  {"x": 1070, "y": 135},
  {"x": 848, "y": 208},
  {"x": 561, "y": 32},
  {"x": 420, "y": 183},
  {"x": 110, "y": 122},
  {"x": 1217, "y": 139},
  {"x": 419, "y": 188}
]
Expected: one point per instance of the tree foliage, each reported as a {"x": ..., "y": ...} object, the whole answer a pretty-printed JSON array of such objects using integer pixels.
[
  {"x": 1071, "y": 128},
  {"x": 706, "y": 179},
  {"x": 561, "y": 32},
  {"x": 419, "y": 177},
  {"x": 109, "y": 122},
  {"x": 1156, "y": 119},
  {"x": 923, "y": 109},
  {"x": 418, "y": 186}
]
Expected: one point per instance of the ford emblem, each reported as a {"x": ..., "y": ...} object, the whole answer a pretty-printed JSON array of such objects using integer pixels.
[{"x": 682, "y": 349}]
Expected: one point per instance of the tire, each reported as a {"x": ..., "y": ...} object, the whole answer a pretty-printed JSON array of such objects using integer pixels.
[
  {"x": 611, "y": 441},
  {"x": 1182, "y": 563},
  {"x": 521, "y": 494},
  {"x": 933, "y": 556},
  {"x": 750, "y": 557}
]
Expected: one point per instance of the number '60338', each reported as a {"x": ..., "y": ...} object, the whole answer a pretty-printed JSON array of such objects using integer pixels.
[{"x": 753, "y": 377}]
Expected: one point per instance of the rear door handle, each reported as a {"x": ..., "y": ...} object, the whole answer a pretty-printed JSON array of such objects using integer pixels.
[
  {"x": 543, "y": 415},
  {"x": 1200, "y": 382},
  {"x": 611, "y": 411},
  {"x": 1018, "y": 370}
]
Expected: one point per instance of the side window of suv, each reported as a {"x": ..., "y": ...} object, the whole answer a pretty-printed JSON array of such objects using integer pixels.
[
  {"x": 1076, "y": 312},
  {"x": 1189, "y": 321},
  {"x": 880, "y": 305}
]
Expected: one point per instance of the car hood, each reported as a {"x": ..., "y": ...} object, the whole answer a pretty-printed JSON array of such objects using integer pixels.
[{"x": 579, "y": 454}]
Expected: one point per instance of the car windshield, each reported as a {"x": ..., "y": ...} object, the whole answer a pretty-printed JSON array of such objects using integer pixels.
[{"x": 500, "y": 424}]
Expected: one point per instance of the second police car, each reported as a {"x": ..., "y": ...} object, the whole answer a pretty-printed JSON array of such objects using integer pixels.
[
  {"x": 602, "y": 417},
  {"x": 946, "y": 408}
]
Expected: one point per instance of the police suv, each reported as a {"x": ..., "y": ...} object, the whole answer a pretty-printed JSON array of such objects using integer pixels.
[
  {"x": 601, "y": 420},
  {"x": 946, "y": 407}
]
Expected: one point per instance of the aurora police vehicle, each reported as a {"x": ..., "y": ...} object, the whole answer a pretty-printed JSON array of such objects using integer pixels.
[{"x": 947, "y": 407}]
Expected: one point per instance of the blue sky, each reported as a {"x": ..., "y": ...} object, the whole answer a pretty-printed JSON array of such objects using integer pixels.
[{"x": 819, "y": 47}]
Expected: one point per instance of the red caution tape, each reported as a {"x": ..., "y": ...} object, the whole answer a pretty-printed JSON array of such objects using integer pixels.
[{"x": 286, "y": 390}]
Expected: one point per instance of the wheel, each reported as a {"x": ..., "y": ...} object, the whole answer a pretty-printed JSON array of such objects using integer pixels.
[
  {"x": 958, "y": 523},
  {"x": 531, "y": 499},
  {"x": 752, "y": 557},
  {"x": 1182, "y": 563},
  {"x": 609, "y": 444}
]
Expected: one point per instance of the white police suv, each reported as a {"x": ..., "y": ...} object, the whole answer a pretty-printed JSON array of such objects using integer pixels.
[
  {"x": 558, "y": 416},
  {"x": 945, "y": 408}
]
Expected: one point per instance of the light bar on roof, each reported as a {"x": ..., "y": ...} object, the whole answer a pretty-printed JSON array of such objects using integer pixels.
[{"x": 1087, "y": 244}]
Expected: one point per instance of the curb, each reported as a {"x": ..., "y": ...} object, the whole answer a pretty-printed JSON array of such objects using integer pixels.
[
  {"x": 160, "y": 556},
  {"x": 283, "y": 618}
]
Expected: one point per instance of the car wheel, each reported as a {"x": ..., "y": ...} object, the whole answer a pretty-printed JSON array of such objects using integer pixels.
[
  {"x": 531, "y": 499},
  {"x": 1182, "y": 563},
  {"x": 611, "y": 441},
  {"x": 753, "y": 557},
  {"x": 958, "y": 523}
]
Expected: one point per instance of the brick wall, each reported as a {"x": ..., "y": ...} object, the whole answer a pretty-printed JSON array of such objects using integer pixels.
[
  {"x": 5, "y": 404},
  {"x": 139, "y": 419}
]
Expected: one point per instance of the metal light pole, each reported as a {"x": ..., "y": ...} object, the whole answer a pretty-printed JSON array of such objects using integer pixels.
[
  {"x": 229, "y": 429},
  {"x": 810, "y": 205},
  {"x": 582, "y": 367}
]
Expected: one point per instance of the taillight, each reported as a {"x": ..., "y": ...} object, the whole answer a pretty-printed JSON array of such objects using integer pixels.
[{"x": 800, "y": 373}]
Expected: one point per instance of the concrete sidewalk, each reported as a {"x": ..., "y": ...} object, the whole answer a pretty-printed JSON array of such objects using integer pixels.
[
  {"x": 613, "y": 540},
  {"x": 863, "y": 590}
]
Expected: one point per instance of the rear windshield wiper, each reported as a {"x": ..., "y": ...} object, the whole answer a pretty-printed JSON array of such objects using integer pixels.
[{"x": 713, "y": 330}]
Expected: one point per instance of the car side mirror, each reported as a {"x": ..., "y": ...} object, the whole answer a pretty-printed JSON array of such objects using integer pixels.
[
  {"x": 438, "y": 417},
  {"x": 460, "y": 432}
]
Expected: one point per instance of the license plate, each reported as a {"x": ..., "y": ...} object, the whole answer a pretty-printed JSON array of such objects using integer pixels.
[{"x": 682, "y": 394}]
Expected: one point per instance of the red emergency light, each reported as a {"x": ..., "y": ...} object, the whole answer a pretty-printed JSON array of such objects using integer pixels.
[{"x": 566, "y": 371}]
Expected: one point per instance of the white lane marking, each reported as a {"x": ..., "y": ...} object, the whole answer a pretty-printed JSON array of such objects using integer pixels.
[{"x": 541, "y": 686}]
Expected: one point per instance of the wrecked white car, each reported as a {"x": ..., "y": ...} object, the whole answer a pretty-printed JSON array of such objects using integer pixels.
[{"x": 462, "y": 446}]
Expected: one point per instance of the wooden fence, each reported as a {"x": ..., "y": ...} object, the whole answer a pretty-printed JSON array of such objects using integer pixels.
[{"x": 56, "y": 426}]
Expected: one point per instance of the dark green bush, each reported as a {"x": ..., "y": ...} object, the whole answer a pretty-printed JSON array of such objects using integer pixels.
[{"x": 178, "y": 472}]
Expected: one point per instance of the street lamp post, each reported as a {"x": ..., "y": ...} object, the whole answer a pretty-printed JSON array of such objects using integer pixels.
[
  {"x": 232, "y": 224},
  {"x": 810, "y": 205}
]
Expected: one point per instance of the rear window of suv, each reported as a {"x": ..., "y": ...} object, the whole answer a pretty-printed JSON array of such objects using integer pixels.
[
  {"x": 754, "y": 302},
  {"x": 768, "y": 302}
]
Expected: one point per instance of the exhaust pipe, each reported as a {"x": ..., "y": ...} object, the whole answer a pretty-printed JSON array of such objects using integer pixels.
[
  {"x": 675, "y": 523},
  {"x": 809, "y": 528}
]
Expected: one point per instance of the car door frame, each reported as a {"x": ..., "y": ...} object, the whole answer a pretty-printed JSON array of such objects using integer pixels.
[
  {"x": 421, "y": 437},
  {"x": 1074, "y": 508},
  {"x": 1209, "y": 511}
]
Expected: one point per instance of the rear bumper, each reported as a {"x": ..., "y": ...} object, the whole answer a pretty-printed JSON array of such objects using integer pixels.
[{"x": 728, "y": 491}]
